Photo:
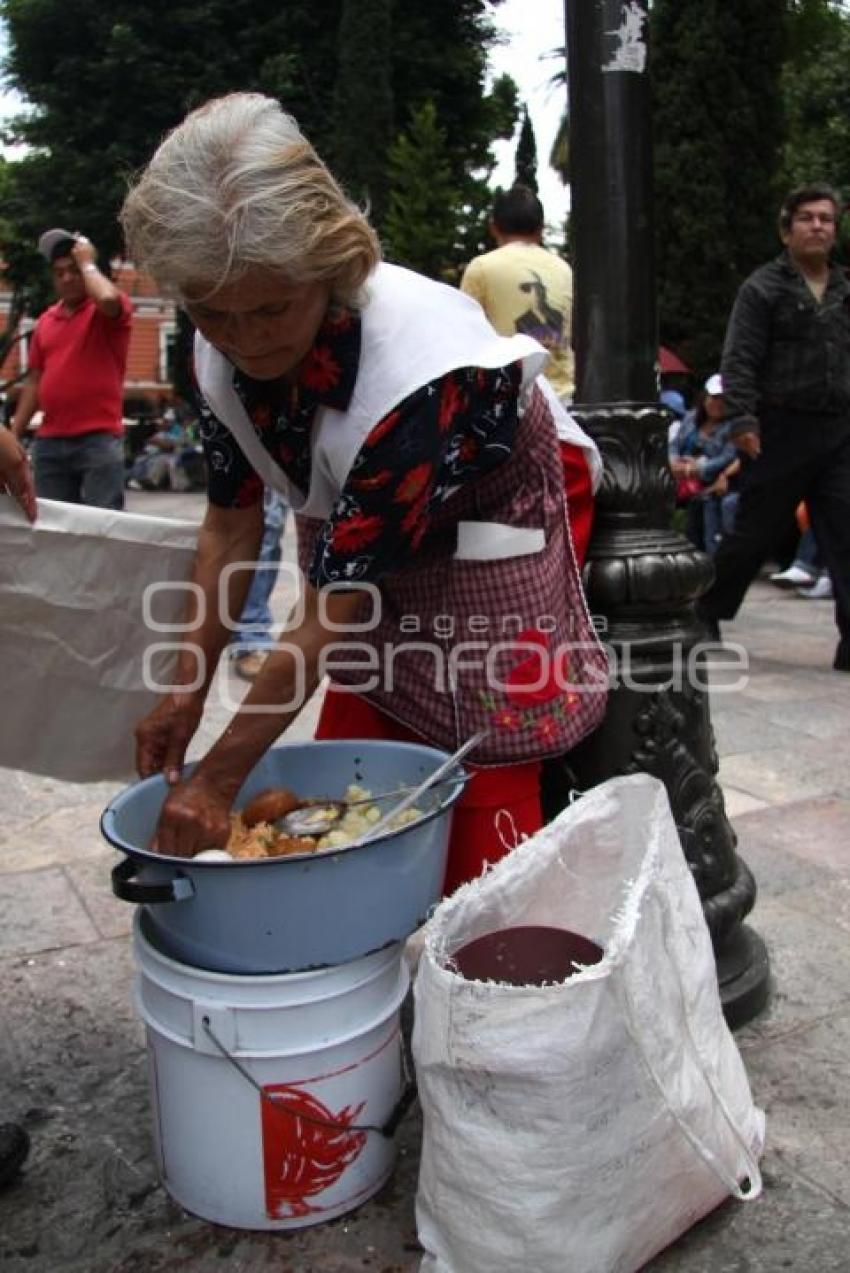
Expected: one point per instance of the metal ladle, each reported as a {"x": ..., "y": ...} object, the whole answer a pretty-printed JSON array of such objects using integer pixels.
[
  {"x": 410, "y": 796},
  {"x": 320, "y": 816}
]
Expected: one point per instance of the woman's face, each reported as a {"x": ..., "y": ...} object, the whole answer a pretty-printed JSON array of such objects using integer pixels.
[
  {"x": 714, "y": 407},
  {"x": 263, "y": 325}
]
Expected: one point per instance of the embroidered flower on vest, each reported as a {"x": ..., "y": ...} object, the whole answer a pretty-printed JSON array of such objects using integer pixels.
[{"x": 538, "y": 678}]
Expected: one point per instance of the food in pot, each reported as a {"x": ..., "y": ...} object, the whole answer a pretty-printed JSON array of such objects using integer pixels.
[
  {"x": 263, "y": 840},
  {"x": 356, "y": 822},
  {"x": 270, "y": 805}
]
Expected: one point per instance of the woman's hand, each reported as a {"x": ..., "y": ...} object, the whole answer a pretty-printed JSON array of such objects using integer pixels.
[
  {"x": 16, "y": 473},
  {"x": 195, "y": 816},
  {"x": 164, "y": 734}
]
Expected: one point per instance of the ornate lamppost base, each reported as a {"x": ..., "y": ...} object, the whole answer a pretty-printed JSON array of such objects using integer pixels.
[
  {"x": 642, "y": 579},
  {"x": 743, "y": 973}
]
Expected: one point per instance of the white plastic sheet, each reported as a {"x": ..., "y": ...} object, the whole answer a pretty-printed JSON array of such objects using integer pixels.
[
  {"x": 580, "y": 1127},
  {"x": 73, "y": 633}
]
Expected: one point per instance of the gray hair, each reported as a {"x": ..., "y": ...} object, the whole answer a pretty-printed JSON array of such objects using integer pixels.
[{"x": 236, "y": 186}]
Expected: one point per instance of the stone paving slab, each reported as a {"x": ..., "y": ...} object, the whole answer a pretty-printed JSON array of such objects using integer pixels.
[
  {"x": 810, "y": 974},
  {"x": 738, "y": 802},
  {"x": 741, "y": 730},
  {"x": 90, "y": 1201},
  {"x": 90, "y": 878},
  {"x": 73, "y": 1065},
  {"x": 809, "y": 1125},
  {"x": 827, "y": 902},
  {"x": 787, "y": 774},
  {"x": 815, "y": 831},
  {"x": 39, "y": 910},
  {"x": 61, "y": 836},
  {"x": 792, "y": 1226},
  {"x": 788, "y": 682},
  {"x": 823, "y": 718},
  {"x": 28, "y": 802}
]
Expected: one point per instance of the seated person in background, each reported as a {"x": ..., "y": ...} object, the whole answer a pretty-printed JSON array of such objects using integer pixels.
[
  {"x": 807, "y": 574},
  {"x": 704, "y": 460},
  {"x": 675, "y": 403},
  {"x": 164, "y": 461}
]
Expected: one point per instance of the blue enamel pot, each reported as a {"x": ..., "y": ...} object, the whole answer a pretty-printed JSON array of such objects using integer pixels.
[{"x": 288, "y": 914}]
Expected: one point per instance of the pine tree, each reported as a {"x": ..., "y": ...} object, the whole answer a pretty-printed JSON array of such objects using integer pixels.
[
  {"x": 420, "y": 225},
  {"x": 718, "y": 137},
  {"x": 102, "y": 83},
  {"x": 363, "y": 103},
  {"x": 526, "y": 154}
]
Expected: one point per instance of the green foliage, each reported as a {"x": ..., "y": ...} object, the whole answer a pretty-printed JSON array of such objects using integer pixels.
[
  {"x": 104, "y": 82},
  {"x": 23, "y": 268},
  {"x": 363, "y": 103},
  {"x": 816, "y": 93},
  {"x": 476, "y": 196},
  {"x": 422, "y": 215},
  {"x": 502, "y": 107},
  {"x": 440, "y": 56},
  {"x": 525, "y": 163},
  {"x": 718, "y": 134},
  {"x": 559, "y": 155}
]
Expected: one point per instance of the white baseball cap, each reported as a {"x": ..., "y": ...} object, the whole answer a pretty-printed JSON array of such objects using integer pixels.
[
  {"x": 714, "y": 385},
  {"x": 50, "y": 240}
]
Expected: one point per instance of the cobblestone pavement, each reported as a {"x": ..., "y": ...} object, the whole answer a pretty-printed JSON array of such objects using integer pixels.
[{"x": 73, "y": 1067}]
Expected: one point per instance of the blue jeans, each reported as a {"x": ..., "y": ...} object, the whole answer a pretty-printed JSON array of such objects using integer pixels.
[
  {"x": 712, "y": 525},
  {"x": 255, "y": 622},
  {"x": 87, "y": 469},
  {"x": 807, "y": 556},
  {"x": 728, "y": 508}
]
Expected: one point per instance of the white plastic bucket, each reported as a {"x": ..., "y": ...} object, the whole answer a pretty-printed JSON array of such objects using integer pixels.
[{"x": 325, "y": 1048}]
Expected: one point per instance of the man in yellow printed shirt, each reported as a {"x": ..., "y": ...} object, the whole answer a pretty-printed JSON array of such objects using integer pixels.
[{"x": 523, "y": 287}]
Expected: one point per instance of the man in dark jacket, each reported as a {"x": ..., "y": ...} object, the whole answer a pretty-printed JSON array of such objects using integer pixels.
[{"x": 786, "y": 361}]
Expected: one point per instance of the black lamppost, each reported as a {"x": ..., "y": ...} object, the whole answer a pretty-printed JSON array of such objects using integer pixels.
[{"x": 641, "y": 577}]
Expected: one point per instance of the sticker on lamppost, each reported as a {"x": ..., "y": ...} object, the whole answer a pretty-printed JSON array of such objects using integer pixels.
[{"x": 630, "y": 53}]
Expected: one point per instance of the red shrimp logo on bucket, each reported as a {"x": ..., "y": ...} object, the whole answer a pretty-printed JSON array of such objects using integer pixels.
[{"x": 306, "y": 1149}]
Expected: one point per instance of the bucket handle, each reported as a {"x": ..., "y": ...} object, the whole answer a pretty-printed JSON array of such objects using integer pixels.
[
  {"x": 387, "y": 1129},
  {"x": 177, "y": 889}
]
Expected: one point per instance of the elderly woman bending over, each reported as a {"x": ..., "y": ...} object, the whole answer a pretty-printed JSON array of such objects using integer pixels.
[{"x": 419, "y": 452}]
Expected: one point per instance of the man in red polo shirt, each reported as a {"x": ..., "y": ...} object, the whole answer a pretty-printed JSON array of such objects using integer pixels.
[{"x": 77, "y": 359}]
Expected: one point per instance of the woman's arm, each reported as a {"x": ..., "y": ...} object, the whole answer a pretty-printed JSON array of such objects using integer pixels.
[
  {"x": 228, "y": 536},
  {"x": 27, "y": 403},
  {"x": 710, "y": 467},
  {"x": 196, "y": 814},
  {"x": 16, "y": 474}
]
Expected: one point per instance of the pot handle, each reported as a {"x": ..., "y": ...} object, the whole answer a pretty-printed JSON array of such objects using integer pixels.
[{"x": 177, "y": 889}]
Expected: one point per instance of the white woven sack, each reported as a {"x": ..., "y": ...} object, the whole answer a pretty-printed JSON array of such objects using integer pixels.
[
  {"x": 580, "y": 1127},
  {"x": 81, "y": 655}
]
